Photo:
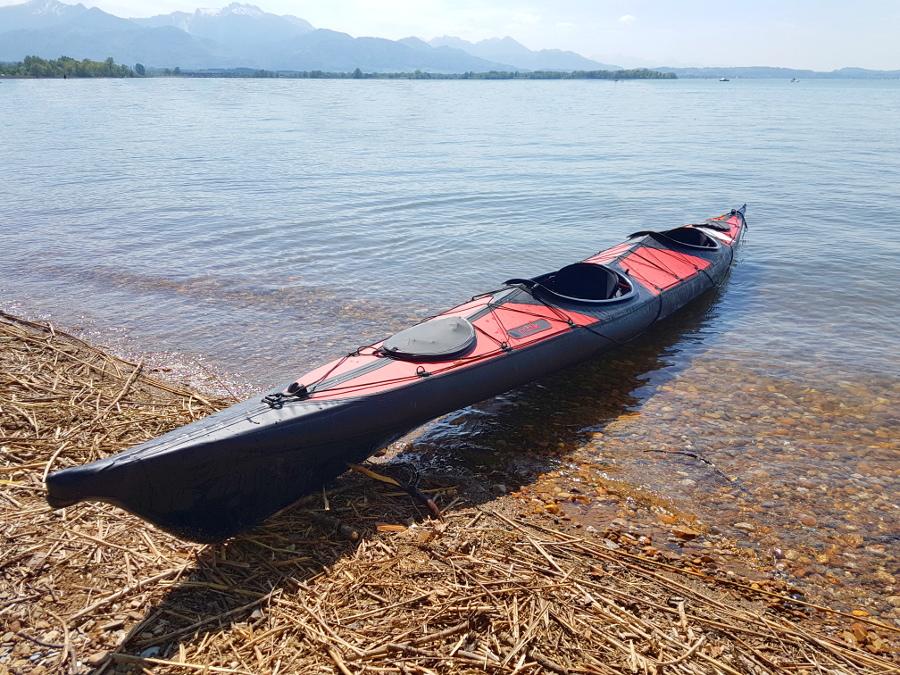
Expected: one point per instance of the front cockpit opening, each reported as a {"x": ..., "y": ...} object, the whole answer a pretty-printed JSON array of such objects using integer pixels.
[{"x": 585, "y": 282}]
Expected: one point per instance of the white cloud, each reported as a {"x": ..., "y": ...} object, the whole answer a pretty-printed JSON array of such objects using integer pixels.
[
  {"x": 627, "y": 19},
  {"x": 528, "y": 19}
]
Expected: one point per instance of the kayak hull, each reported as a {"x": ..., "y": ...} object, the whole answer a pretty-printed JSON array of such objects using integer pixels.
[{"x": 216, "y": 477}]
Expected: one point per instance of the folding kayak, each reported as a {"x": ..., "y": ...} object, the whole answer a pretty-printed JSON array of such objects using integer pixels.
[{"x": 218, "y": 476}]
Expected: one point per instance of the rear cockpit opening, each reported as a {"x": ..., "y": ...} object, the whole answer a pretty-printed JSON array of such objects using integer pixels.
[{"x": 690, "y": 236}]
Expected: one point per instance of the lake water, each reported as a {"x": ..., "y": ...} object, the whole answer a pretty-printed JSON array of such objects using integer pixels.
[{"x": 257, "y": 228}]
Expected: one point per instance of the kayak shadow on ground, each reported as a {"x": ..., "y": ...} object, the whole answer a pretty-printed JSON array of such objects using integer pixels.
[{"x": 507, "y": 441}]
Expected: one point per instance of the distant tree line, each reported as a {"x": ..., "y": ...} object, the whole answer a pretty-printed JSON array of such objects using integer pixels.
[
  {"x": 65, "y": 66},
  {"x": 358, "y": 74},
  {"x": 632, "y": 74}
]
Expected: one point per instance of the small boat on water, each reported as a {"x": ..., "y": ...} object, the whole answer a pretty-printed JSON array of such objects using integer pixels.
[
  {"x": 218, "y": 476},
  {"x": 724, "y": 79}
]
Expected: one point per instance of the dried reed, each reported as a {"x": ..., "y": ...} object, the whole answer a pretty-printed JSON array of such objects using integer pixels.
[{"x": 357, "y": 580}]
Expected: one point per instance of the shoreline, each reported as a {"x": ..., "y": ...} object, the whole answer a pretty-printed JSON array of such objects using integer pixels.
[
  {"x": 624, "y": 451},
  {"x": 109, "y": 592}
]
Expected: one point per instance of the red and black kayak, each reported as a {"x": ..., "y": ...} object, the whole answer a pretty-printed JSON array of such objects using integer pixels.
[{"x": 213, "y": 478}]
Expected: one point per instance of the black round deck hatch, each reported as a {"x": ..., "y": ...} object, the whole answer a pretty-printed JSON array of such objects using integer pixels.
[{"x": 435, "y": 340}]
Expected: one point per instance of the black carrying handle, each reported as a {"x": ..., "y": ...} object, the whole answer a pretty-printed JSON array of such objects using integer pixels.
[{"x": 530, "y": 283}]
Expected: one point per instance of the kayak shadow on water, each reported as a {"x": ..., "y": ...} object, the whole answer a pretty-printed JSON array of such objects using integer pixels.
[{"x": 510, "y": 439}]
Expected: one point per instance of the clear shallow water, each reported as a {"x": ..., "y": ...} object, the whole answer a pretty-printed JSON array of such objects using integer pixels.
[
  {"x": 271, "y": 225},
  {"x": 204, "y": 215}
]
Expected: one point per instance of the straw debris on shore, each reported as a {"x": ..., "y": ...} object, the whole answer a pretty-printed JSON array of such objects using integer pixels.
[{"x": 354, "y": 580}]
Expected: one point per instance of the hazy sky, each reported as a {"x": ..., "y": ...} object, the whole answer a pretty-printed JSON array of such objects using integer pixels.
[{"x": 816, "y": 34}]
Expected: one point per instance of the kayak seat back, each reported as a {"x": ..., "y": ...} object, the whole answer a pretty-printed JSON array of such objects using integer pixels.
[
  {"x": 436, "y": 340},
  {"x": 586, "y": 282}
]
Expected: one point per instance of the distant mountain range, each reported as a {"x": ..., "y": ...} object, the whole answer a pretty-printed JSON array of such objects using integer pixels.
[
  {"x": 507, "y": 50},
  {"x": 244, "y": 36}
]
